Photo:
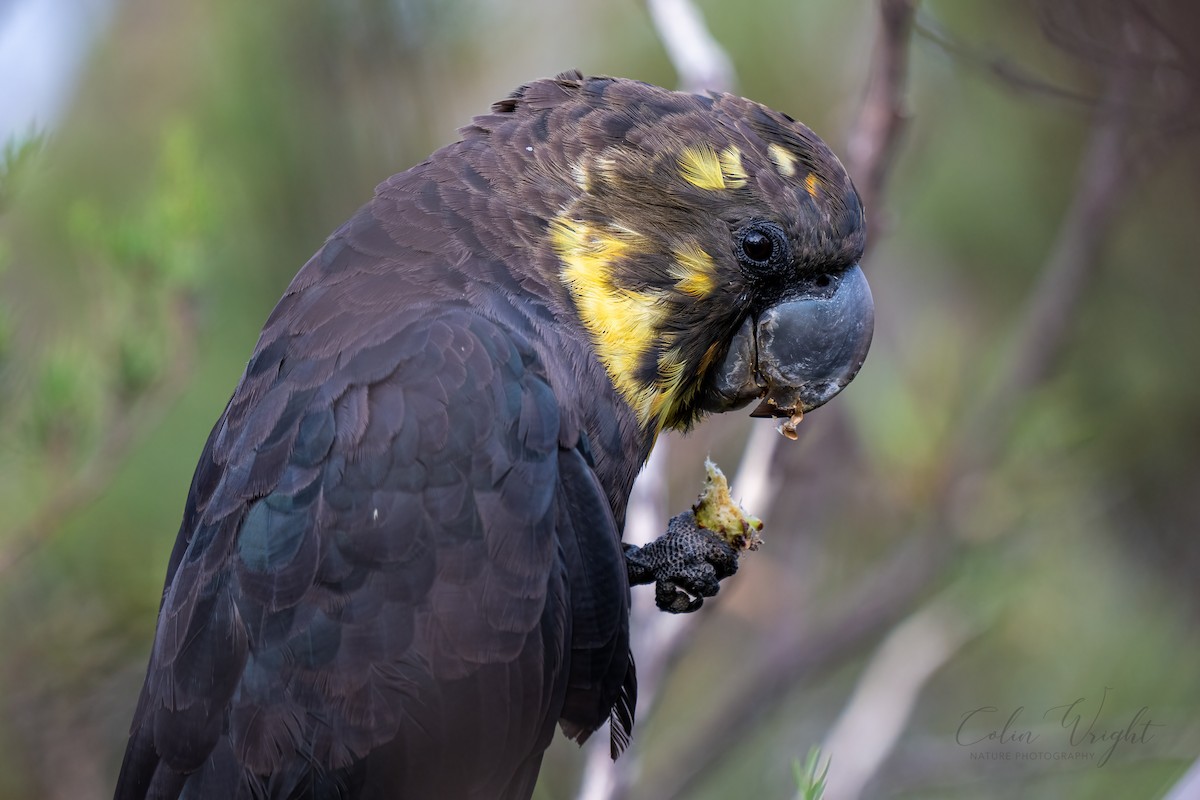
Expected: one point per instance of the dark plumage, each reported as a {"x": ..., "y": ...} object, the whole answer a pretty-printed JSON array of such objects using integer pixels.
[{"x": 400, "y": 563}]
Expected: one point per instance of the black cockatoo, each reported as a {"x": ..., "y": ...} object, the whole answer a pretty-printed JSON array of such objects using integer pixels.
[{"x": 400, "y": 563}]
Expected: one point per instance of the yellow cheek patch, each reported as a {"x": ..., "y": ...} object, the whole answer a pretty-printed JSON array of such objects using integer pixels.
[
  {"x": 693, "y": 271},
  {"x": 703, "y": 168},
  {"x": 588, "y": 250},
  {"x": 623, "y": 323},
  {"x": 785, "y": 162},
  {"x": 811, "y": 184}
]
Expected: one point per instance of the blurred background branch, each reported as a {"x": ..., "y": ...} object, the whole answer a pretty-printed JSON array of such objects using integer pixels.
[
  {"x": 1042, "y": 329},
  {"x": 915, "y": 649},
  {"x": 698, "y": 58},
  {"x": 875, "y": 133},
  {"x": 878, "y": 712}
]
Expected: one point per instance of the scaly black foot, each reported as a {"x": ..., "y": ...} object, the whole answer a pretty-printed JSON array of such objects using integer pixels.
[{"x": 686, "y": 564}]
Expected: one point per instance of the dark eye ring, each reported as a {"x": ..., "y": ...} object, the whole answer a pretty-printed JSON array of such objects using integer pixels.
[{"x": 762, "y": 246}]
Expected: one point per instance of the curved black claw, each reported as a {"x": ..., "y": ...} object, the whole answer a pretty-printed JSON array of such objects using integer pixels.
[{"x": 686, "y": 564}]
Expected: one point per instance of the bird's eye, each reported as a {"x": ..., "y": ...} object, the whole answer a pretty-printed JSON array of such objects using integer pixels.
[
  {"x": 757, "y": 246},
  {"x": 762, "y": 246}
]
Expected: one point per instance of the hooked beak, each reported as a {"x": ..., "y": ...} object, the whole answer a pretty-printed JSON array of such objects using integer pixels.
[{"x": 798, "y": 354}]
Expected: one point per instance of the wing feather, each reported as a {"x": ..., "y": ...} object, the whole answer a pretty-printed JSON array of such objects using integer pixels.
[{"x": 390, "y": 555}]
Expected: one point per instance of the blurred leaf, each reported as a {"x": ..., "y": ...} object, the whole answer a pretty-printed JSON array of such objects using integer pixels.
[
  {"x": 18, "y": 159},
  {"x": 809, "y": 784},
  {"x": 68, "y": 398}
]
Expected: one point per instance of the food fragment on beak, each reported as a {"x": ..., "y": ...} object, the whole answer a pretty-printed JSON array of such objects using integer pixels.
[{"x": 788, "y": 426}]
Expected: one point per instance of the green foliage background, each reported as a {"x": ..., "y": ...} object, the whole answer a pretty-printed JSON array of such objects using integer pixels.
[{"x": 212, "y": 146}]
